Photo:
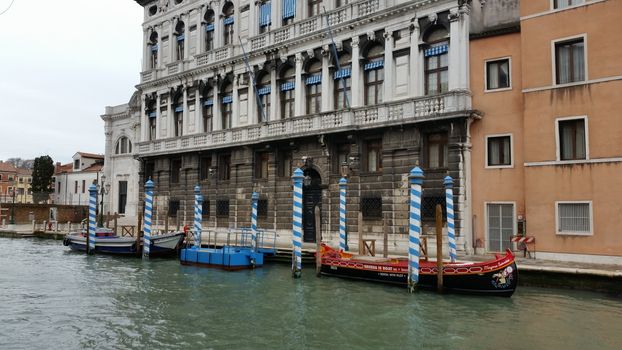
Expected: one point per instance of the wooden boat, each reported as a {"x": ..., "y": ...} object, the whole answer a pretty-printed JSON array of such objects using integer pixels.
[
  {"x": 494, "y": 277},
  {"x": 107, "y": 242}
]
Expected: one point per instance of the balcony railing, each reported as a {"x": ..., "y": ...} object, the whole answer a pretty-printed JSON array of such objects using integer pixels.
[{"x": 393, "y": 113}]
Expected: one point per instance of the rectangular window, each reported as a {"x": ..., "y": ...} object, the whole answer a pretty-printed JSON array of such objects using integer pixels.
[
  {"x": 574, "y": 218},
  {"x": 374, "y": 79},
  {"x": 59, "y": 187},
  {"x": 572, "y": 139},
  {"x": 206, "y": 164},
  {"x": 558, "y": 4},
  {"x": 179, "y": 123},
  {"x": 371, "y": 207},
  {"x": 314, "y": 7},
  {"x": 285, "y": 164},
  {"x": 437, "y": 70},
  {"x": 224, "y": 167},
  {"x": 500, "y": 226},
  {"x": 287, "y": 102},
  {"x": 175, "y": 170},
  {"x": 570, "y": 61},
  {"x": 262, "y": 209},
  {"x": 222, "y": 208},
  {"x": 83, "y": 186},
  {"x": 173, "y": 208},
  {"x": 342, "y": 156},
  {"x": 205, "y": 208},
  {"x": 498, "y": 74},
  {"x": 499, "y": 150},
  {"x": 75, "y": 187},
  {"x": 76, "y": 164},
  {"x": 373, "y": 155},
  {"x": 122, "y": 196},
  {"x": 314, "y": 98},
  {"x": 437, "y": 150},
  {"x": 149, "y": 171},
  {"x": 152, "y": 129},
  {"x": 261, "y": 165},
  {"x": 428, "y": 207}
]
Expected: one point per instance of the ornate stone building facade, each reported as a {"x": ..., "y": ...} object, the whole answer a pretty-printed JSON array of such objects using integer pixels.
[{"x": 362, "y": 89}]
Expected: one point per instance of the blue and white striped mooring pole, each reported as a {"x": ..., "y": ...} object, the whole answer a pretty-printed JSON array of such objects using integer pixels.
[
  {"x": 451, "y": 230},
  {"x": 414, "y": 231},
  {"x": 92, "y": 218},
  {"x": 255, "y": 199},
  {"x": 343, "y": 245},
  {"x": 297, "y": 223},
  {"x": 198, "y": 216},
  {"x": 148, "y": 212}
]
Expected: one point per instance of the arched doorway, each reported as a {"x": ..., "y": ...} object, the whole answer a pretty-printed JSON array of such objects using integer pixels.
[{"x": 311, "y": 197}]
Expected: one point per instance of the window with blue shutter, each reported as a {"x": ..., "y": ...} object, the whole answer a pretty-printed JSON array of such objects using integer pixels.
[
  {"x": 289, "y": 9},
  {"x": 265, "y": 14}
]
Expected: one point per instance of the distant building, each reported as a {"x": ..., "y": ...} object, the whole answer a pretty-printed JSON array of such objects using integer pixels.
[
  {"x": 8, "y": 182},
  {"x": 72, "y": 180},
  {"x": 24, "y": 186},
  {"x": 122, "y": 130}
]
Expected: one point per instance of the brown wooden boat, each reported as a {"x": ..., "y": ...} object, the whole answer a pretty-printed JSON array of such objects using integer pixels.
[{"x": 493, "y": 277}]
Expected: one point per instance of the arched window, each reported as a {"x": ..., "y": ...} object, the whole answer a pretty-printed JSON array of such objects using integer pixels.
[
  {"x": 227, "y": 12},
  {"x": 153, "y": 49},
  {"x": 124, "y": 146},
  {"x": 180, "y": 34},
  {"x": 178, "y": 116},
  {"x": 209, "y": 29},
  {"x": 287, "y": 87},
  {"x": 343, "y": 81},
  {"x": 374, "y": 75},
  {"x": 314, "y": 7},
  {"x": 436, "y": 60},
  {"x": 226, "y": 104},
  {"x": 263, "y": 91},
  {"x": 313, "y": 86},
  {"x": 208, "y": 109}
]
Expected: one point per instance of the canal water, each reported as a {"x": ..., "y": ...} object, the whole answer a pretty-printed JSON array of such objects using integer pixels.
[{"x": 53, "y": 298}]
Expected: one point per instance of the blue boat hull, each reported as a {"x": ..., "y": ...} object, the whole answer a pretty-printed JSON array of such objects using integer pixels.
[{"x": 228, "y": 258}]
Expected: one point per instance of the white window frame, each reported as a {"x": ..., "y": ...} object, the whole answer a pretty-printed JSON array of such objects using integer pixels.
[
  {"x": 514, "y": 222},
  {"x": 558, "y": 155},
  {"x": 488, "y": 166},
  {"x": 591, "y": 233},
  {"x": 553, "y": 8},
  {"x": 554, "y": 61},
  {"x": 509, "y": 58}
]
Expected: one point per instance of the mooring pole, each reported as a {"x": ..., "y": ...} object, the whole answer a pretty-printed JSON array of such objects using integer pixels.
[
  {"x": 318, "y": 240},
  {"x": 92, "y": 227},
  {"x": 360, "y": 230},
  {"x": 451, "y": 231},
  {"x": 198, "y": 216},
  {"x": 414, "y": 228},
  {"x": 343, "y": 184},
  {"x": 255, "y": 200},
  {"x": 148, "y": 212},
  {"x": 439, "y": 247},
  {"x": 297, "y": 178}
]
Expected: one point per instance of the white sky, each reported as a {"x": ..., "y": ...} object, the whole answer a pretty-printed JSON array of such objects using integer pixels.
[{"x": 61, "y": 63}]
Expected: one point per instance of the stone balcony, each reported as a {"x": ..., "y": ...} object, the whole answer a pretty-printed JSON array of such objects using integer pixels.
[
  {"x": 338, "y": 18},
  {"x": 393, "y": 113}
]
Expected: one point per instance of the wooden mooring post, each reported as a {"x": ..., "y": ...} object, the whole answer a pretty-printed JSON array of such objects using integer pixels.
[
  {"x": 318, "y": 240},
  {"x": 359, "y": 224},
  {"x": 439, "y": 247}
]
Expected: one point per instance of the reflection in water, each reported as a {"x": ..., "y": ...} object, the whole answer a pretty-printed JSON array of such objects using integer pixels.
[{"x": 52, "y": 296}]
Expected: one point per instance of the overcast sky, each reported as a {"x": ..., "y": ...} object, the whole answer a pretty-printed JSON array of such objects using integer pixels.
[{"x": 61, "y": 63}]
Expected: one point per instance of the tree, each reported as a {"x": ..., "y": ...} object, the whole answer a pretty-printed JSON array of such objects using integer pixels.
[{"x": 43, "y": 170}]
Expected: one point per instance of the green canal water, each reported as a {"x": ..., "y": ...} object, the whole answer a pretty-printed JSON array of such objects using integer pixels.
[{"x": 51, "y": 298}]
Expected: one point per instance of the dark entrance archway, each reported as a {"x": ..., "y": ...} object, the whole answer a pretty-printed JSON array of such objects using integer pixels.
[{"x": 311, "y": 197}]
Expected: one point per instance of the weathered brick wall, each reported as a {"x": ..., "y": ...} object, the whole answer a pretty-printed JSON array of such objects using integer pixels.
[{"x": 41, "y": 212}]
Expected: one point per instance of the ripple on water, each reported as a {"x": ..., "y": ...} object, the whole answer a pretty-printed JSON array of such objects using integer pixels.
[{"x": 53, "y": 297}]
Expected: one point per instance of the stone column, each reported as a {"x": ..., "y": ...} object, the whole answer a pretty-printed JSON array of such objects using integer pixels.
[
  {"x": 172, "y": 41},
  {"x": 416, "y": 63},
  {"x": 198, "y": 112},
  {"x": 235, "y": 108},
  {"x": 274, "y": 96},
  {"x": 218, "y": 30},
  {"x": 144, "y": 134},
  {"x": 253, "y": 16},
  {"x": 171, "y": 118},
  {"x": 276, "y": 14},
  {"x": 158, "y": 117},
  {"x": 327, "y": 96},
  {"x": 146, "y": 51},
  {"x": 465, "y": 19},
  {"x": 184, "y": 113},
  {"x": 200, "y": 32},
  {"x": 388, "y": 84},
  {"x": 186, "y": 37},
  {"x": 299, "y": 88},
  {"x": 253, "y": 113},
  {"x": 159, "y": 48},
  {"x": 459, "y": 48},
  {"x": 217, "y": 118},
  {"x": 357, "y": 78}
]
